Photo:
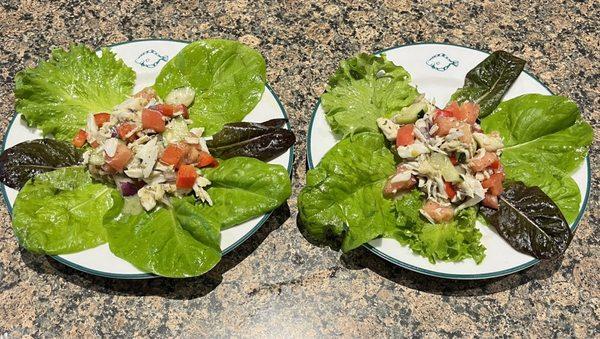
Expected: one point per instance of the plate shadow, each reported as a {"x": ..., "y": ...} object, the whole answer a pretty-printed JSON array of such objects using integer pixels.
[{"x": 361, "y": 258}]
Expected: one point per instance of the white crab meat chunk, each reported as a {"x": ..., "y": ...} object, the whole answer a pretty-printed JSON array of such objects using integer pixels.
[
  {"x": 150, "y": 194},
  {"x": 388, "y": 127},
  {"x": 412, "y": 151},
  {"x": 203, "y": 146},
  {"x": 110, "y": 146},
  {"x": 401, "y": 177},
  {"x": 182, "y": 95},
  {"x": 491, "y": 142},
  {"x": 148, "y": 153},
  {"x": 133, "y": 104},
  {"x": 198, "y": 188},
  {"x": 471, "y": 188},
  {"x": 197, "y": 131}
]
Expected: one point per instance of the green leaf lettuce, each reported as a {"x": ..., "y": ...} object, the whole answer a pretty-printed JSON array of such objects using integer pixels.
[
  {"x": 364, "y": 88},
  {"x": 243, "y": 188},
  {"x": 58, "y": 94},
  {"x": 343, "y": 196},
  {"x": 451, "y": 241}
]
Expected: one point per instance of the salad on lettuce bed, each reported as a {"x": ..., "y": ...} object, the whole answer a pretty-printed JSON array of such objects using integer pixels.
[
  {"x": 141, "y": 171},
  {"x": 408, "y": 170}
]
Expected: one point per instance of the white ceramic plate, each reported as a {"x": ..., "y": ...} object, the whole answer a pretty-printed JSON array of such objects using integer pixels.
[
  {"x": 438, "y": 70},
  {"x": 146, "y": 58}
]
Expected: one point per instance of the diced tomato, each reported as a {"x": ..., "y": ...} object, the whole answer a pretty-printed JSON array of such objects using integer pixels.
[
  {"x": 165, "y": 109},
  {"x": 469, "y": 112},
  {"x": 442, "y": 113},
  {"x": 80, "y": 138},
  {"x": 438, "y": 212},
  {"x": 453, "y": 159},
  {"x": 467, "y": 135},
  {"x": 153, "y": 120},
  {"x": 490, "y": 201},
  {"x": 496, "y": 164},
  {"x": 405, "y": 135},
  {"x": 205, "y": 159},
  {"x": 494, "y": 183},
  {"x": 121, "y": 158},
  {"x": 479, "y": 164},
  {"x": 172, "y": 155},
  {"x": 101, "y": 118},
  {"x": 450, "y": 191},
  {"x": 454, "y": 109},
  {"x": 147, "y": 93},
  {"x": 391, "y": 189},
  {"x": 124, "y": 129},
  {"x": 186, "y": 176},
  {"x": 445, "y": 124},
  {"x": 183, "y": 109}
]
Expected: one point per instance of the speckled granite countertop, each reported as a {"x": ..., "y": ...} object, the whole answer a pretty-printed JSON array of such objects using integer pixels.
[{"x": 277, "y": 284}]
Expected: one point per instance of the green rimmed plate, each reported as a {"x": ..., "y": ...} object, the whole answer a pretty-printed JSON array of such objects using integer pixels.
[
  {"x": 146, "y": 58},
  {"x": 438, "y": 70}
]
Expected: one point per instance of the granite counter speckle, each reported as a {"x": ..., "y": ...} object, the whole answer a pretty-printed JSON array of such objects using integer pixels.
[{"x": 277, "y": 284}]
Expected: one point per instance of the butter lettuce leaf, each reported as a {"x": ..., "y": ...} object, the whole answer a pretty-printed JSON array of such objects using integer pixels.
[
  {"x": 183, "y": 240},
  {"x": 243, "y": 188},
  {"x": 364, "y": 88},
  {"x": 58, "y": 94},
  {"x": 541, "y": 129},
  {"x": 228, "y": 77},
  {"x": 61, "y": 212},
  {"x": 451, "y": 241},
  {"x": 343, "y": 199},
  {"x": 177, "y": 241}
]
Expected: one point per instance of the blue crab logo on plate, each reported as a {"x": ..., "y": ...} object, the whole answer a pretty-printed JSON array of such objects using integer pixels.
[
  {"x": 151, "y": 58},
  {"x": 441, "y": 62}
]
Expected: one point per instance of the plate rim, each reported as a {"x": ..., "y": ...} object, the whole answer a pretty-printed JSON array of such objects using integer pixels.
[
  {"x": 137, "y": 276},
  {"x": 413, "y": 268}
]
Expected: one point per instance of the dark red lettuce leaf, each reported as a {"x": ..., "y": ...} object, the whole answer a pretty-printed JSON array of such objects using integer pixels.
[
  {"x": 530, "y": 221},
  {"x": 263, "y": 141},
  {"x": 27, "y": 159},
  {"x": 487, "y": 82}
]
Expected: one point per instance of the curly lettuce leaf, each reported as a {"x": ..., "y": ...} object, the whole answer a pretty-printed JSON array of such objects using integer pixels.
[
  {"x": 541, "y": 129},
  {"x": 451, "y": 241},
  {"x": 343, "y": 196},
  {"x": 228, "y": 77},
  {"x": 61, "y": 212},
  {"x": 58, "y": 94},
  {"x": 243, "y": 188},
  {"x": 364, "y": 88},
  {"x": 177, "y": 241}
]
